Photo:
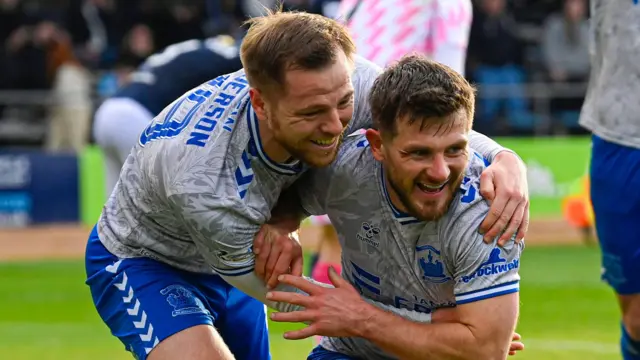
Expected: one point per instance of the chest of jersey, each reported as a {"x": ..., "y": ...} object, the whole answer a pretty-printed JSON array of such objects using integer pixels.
[{"x": 391, "y": 262}]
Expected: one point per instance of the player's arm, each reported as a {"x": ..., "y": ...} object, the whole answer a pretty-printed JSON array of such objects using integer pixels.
[
  {"x": 307, "y": 196},
  {"x": 486, "y": 289},
  {"x": 482, "y": 330},
  {"x": 224, "y": 237}
]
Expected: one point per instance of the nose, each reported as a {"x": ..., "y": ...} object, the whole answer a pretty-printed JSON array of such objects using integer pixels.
[
  {"x": 333, "y": 125},
  {"x": 438, "y": 171}
]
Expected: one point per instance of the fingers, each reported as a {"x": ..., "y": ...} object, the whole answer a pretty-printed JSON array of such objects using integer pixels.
[
  {"x": 524, "y": 227},
  {"x": 495, "y": 211},
  {"x": 335, "y": 278},
  {"x": 516, "y": 346},
  {"x": 516, "y": 336},
  {"x": 281, "y": 267},
  {"x": 487, "y": 185},
  {"x": 513, "y": 226},
  {"x": 294, "y": 316},
  {"x": 500, "y": 225},
  {"x": 302, "y": 333},
  {"x": 300, "y": 283},
  {"x": 261, "y": 248},
  {"x": 298, "y": 264},
  {"x": 290, "y": 298}
]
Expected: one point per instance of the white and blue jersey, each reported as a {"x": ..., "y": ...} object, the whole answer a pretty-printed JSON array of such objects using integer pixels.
[
  {"x": 191, "y": 196},
  {"x": 397, "y": 260}
]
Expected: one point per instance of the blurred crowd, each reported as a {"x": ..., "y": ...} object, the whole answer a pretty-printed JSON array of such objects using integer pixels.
[{"x": 65, "y": 55}]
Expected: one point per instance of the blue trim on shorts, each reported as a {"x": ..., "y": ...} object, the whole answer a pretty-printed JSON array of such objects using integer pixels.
[{"x": 144, "y": 301}]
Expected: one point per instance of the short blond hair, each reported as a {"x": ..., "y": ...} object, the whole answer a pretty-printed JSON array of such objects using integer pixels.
[{"x": 282, "y": 41}]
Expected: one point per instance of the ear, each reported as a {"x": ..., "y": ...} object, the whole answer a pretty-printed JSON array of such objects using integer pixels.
[
  {"x": 258, "y": 103},
  {"x": 375, "y": 143}
]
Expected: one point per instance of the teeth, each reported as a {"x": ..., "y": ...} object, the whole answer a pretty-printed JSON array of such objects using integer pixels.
[
  {"x": 433, "y": 188},
  {"x": 323, "y": 142}
]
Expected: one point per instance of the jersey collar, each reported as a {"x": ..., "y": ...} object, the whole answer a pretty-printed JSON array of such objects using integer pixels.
[
  {"x": 256, "y": 149},
  {"x": 402, "y": 217}
]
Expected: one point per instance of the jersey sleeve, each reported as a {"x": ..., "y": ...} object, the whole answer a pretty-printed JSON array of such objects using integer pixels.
[
  {"x": 363, "y": 77},
  {"x": 313, "y": 188},
  {"x": 488, "y": 148},
  {"x": 220, "y": 229},
  {"x": 480, "y": 271}
]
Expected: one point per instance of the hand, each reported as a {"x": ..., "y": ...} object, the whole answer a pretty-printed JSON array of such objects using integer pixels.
[
  {"x": 277, "y": 253},
  {"x": 504, "y": 185},
  {"x": 335, "y": 311},
  {"x": 516, "y": 345}
]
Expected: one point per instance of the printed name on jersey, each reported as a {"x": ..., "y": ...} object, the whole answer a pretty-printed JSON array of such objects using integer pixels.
[
  {"x": 207, "y": 124},
  {"x": 172, "y": 126},
  {"x": 420, "y": 305},
  {"x": 369, "y": 285},
  {"x": 495, "y": 265}
]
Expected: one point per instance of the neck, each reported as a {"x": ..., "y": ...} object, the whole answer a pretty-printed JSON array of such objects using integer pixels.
[
  {"x": 270, "y": 145},
  {"x": 393, "y": 195}
]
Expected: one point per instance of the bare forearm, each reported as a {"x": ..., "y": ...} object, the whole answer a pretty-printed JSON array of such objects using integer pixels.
[{"x": 409, "y": 340}]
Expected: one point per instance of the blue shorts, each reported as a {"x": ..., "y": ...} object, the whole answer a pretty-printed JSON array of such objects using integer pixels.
[
  {"x": 144, "y": 301},
  {"x": 320, "y": 353},
  {"x": 615, "y": 194}
]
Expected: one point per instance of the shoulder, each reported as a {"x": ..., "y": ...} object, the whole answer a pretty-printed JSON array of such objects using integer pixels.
[
  {"x": 365, "y": 72},
  {"x": 468, "y": 205},
  {"x": 191, "y": 139},
  {"x": 354, "y": 154}
]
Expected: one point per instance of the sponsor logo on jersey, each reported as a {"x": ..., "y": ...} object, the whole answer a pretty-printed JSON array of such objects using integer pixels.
[
  {"x": 369, "y": 234},
  {"x": 431, "y": 265},
  {"x": 493, "y": 266}
]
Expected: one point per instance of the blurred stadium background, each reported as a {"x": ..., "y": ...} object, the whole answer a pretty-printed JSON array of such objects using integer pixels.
[{"x": 51, "y": 176}]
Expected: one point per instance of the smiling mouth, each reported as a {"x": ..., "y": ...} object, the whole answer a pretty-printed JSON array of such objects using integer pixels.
[
  {"x": 324, "y": 143},
  {"x": 431, "y": 189}
]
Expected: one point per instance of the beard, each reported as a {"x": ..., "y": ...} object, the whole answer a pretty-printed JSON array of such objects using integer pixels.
[
  {"x": 432, "y": 211},
  {"x": 303, "y": 149}
]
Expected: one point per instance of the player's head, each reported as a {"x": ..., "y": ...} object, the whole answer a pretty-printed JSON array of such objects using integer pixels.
[
  {"x": 299, "y": 68},
  {"x": 423, "y": 111}
]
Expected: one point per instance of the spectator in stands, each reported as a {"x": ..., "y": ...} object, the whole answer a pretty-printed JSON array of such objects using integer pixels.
[
  {"x": 97, "y": 28},
  {"x": 565, "y": 48},
  {"x": 494, "y": 58},
  {"x": 180, "y": 21},
  {"x": 138, "y": 44},
  {"x": 70, "y": 113}
]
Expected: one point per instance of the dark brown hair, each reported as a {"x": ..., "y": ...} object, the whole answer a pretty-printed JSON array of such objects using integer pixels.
[
  {"x": 418, "y": 89},
  {"x": 282, "y": 41}
]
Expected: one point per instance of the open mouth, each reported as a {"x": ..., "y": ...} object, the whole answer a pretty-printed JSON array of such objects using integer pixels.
[
  {"x": 327, "y": 143},
  {"x": 431, "y": 189}
]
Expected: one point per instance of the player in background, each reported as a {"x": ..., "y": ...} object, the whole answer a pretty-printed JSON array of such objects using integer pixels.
[
  {"x": 174, "y": 240},
  {"x": 405, "y": 201},
  {"x": 611, "y": 111},
  {"x": 384, "y": 32},
  {"x": 161, "y": 79}
]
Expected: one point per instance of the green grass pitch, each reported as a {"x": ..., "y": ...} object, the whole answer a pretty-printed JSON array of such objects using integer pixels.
[{"x": 566, "y": 312}]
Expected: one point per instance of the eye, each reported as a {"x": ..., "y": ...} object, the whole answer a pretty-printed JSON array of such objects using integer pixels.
[
  {"x": 455, "y": 150},
  {"x": 419, "y": 153},
  {"x": 346, "y": 102}
]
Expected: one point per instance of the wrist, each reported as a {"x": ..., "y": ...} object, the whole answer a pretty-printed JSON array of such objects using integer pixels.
[
  {"x": 508, "y": 155},
  {"x": 366, "y": 325}
]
